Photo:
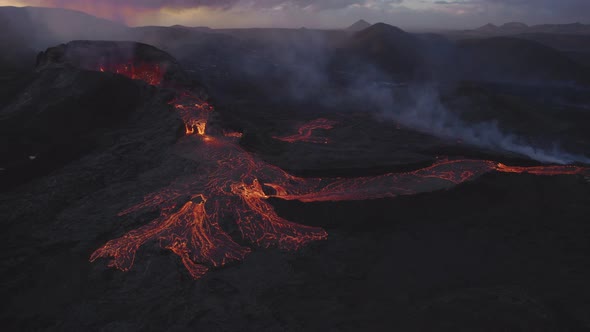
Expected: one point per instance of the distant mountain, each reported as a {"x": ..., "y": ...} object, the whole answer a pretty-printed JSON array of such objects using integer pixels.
[
  {"x": 389, "y": 48},
  {"x": 514, "y": 26},
  {"x": 488, "y": 28},
  {"x": 518, "y": 27},
  {"x": 359, "y": 25},
  {"x": 506, "y": 27},
  {"x": 178, "y": 26}
]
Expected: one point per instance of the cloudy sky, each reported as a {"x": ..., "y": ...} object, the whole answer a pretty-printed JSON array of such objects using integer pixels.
[{"x": 409, "y": 14}]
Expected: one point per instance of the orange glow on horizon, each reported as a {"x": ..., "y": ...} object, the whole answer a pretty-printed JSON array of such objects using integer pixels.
[
  {"x": 138, "y": 15},
  {"x": 119, "y": 12}
]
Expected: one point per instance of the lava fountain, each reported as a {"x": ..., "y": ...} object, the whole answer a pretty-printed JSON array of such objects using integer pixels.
[{"x": 233, "y": 186}]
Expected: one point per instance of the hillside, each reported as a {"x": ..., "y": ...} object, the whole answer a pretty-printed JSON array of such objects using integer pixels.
[
  {"x": 387, "y": 47},
  {"x": 504, "y": 59}
]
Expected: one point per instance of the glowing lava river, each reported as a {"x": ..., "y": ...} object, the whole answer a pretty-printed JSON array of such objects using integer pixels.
[{"x": 234, "y": 186}]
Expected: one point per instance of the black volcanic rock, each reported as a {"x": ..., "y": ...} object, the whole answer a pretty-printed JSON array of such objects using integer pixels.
[
  {"x": 91, "y": 55},
  {"x": 65, "y": 113},
  {"x": 83, "y": 54},
  {"x": 68, "y": 108},
  {"x": 359, "y": 25}
]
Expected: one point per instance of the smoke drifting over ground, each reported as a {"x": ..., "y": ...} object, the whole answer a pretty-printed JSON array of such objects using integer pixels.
[
  {"x": 430, "y": 116},
  {"x": 340, "y": 71},
  {"x": 427, "y": 114},
  {"x": 317, "y": 75}
]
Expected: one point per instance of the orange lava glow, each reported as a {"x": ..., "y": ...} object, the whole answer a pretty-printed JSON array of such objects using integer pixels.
[
  {"x": 193, "y": 111},
  {"x": 543, "y": 170},
  {"x": 234, "y": 134},
  {"x": 305, "y": 132},
  {"x": 152, "y": 74},
  {"x": 190, "y": 232},
  {"x": 232, "y": 188}
]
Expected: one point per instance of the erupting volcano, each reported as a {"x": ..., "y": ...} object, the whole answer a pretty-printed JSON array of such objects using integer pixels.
[
  {"x": 179, "y": 176},
  {"x": 233, "y": 185}
]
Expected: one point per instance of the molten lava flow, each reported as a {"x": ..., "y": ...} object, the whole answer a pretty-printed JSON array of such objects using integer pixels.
[
  {"x": 191, "y": 233},
  {"x": 260, "y": 224},
  {"x": 150, "y": 73},
  {"x": 193, "y": 111},
  {"x": 305, "y": 132},
  {"x": 234, "y": 134},
  {"x": 232, "y": 186},
  {"x": 442, "y": 175},
  {"x": 543, "y": 170}
]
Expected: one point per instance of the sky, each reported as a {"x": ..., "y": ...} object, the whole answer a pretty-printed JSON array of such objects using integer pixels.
[{"x": 408, "y": 14}]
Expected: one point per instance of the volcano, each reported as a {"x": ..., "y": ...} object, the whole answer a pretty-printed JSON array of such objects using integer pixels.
[
  {"x": 231, "y": 184},
  {"x": 259, "y": 179}
]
